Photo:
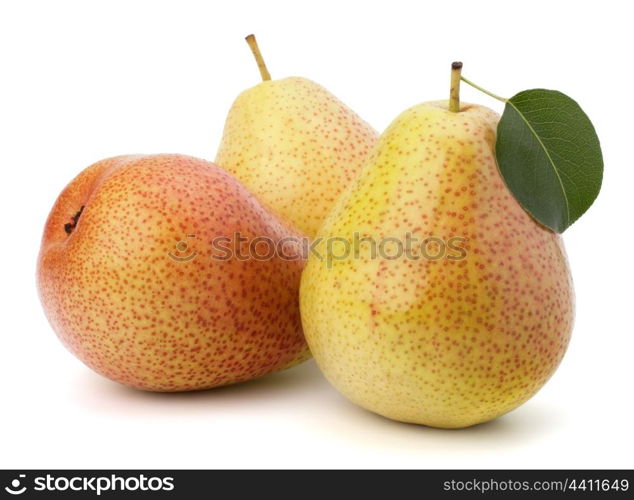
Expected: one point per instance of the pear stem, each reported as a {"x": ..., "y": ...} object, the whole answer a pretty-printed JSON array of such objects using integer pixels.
[
  {"x": 253, "y": 45},
  {"x": 490, "y": 94},
  {"x": 454, "y": 93}
]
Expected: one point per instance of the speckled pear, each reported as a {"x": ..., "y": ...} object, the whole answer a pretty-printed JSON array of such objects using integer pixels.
[
  {"x": 294, "y": 145},
  {"x": 459, "y": 334},
  {"x": 132, "y": 284}
]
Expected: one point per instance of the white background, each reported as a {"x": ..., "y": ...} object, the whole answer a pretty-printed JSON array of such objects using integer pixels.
[{"x": 81, "y": 81}]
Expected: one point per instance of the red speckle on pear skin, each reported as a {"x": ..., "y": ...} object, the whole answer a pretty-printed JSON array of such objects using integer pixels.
[{"x": 133, "y": 314}]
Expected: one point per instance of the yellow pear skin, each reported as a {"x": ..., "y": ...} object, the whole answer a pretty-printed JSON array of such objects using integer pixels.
[
  {"x": 296, "y": 146},
  {"x": 446, "y": 342}
]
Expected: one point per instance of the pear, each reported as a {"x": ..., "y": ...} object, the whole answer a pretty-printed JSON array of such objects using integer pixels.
[
  {"x": 139, "y": 279},
  {"x": 469, "y": 322},
  {"x": 294, "y": 145}
]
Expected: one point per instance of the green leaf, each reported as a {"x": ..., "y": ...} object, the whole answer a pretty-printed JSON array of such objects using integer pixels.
[{"x": 549, "y": 156}]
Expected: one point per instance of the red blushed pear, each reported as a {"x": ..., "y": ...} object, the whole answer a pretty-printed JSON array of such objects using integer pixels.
[{"x": 132, "y": 285}]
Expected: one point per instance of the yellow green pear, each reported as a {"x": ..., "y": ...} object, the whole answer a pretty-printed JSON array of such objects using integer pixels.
[
  {"x": 294, "y": 145},
  {"x": 466, "y": 321}
]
